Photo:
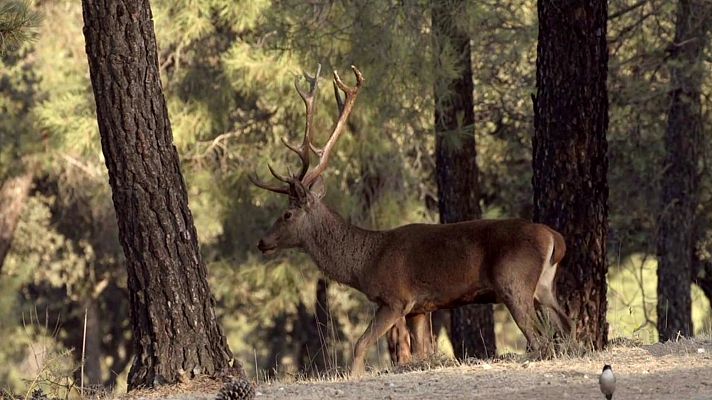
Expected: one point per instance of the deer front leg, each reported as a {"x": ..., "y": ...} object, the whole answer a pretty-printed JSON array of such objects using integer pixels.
[{"x": 383, "y": 321}]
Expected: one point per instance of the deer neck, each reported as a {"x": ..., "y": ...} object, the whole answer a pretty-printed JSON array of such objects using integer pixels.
[{"x": 341, "y": 249}]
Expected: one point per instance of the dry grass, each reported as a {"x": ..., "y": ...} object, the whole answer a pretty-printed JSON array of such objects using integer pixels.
[
  {"x": 199, "y": 385},
  {"x": 680, "y": 369}
]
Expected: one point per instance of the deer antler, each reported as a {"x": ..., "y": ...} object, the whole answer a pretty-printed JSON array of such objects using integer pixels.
[
  {"x": 345, "y": 107},
  {"x": 303, "y": 150},
  {"x": 258, "y": 183}
]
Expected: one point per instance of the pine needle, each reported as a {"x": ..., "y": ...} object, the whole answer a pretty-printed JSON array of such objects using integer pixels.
[{"x": 18, "y": 23}]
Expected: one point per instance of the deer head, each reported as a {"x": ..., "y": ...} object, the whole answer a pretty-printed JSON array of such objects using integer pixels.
[{"x": 306, "y": 189}]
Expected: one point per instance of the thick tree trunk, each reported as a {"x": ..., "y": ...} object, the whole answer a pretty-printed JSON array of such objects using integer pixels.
[
  {"x": 312, "y": 333},
  {"x": 175, "y": 331},
  {"x": 13, "y": 196},
  {"x": 680, "y": 177},
  {"x": 456, "y": 167},
  {"x": 570, "y": 160}
]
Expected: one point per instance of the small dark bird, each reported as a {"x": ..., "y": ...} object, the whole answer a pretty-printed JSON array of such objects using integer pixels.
[{"x": 607, "y": 382}]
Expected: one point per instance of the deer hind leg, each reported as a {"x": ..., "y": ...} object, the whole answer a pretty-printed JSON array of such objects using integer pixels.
[
  {"x": 523, "y": 312},
  {"x": 556, "y": 314},
  {"x": 544, "y": 294},
  {"x": 515, "y": 282},
  {"x": 384, "y": 319},
  {"x": 423, "y": 341},
  {"x": 399, "y": 344}
]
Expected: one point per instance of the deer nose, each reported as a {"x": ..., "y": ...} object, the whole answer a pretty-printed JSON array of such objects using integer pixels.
[{"x": 266, "y": 245}]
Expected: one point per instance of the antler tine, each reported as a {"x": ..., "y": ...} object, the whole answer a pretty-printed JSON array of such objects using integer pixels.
[
  {"x": 265, "y": 186},
  {"x": 276, "y": 175},
  {"x": 345, "y": 110},
  {"x": 303, "y": 150},
  {"x": 347, "y": 89},
  {"x": 313, "y": 83},
  {"x": 308, "y": 98},
  {"x": 339, "y": 100},
  {"x": 300, "y": 153},
  {"x": 339, "y": 108},
  {"x": 315, "y": 149}
]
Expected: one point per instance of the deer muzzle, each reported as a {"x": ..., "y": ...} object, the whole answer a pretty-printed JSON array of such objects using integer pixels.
[{"x": 266, "y": 247}]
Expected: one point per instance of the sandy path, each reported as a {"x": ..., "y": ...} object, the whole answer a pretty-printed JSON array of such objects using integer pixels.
[
  {"x": 662, "y": 371},
  {"x": 651, "y": 372}
]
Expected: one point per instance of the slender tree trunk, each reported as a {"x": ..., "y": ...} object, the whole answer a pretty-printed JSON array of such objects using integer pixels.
[
  {"x": 175, "y": 331},
  {"x": 315, "y": 333},
  {"x": 13, "y": 196},
  {"x": 570, "y": 160},
  {"x": 306, "y": 341},
  {"x": 456, "y": 166},
  {"x": 327, "y": 326},
  {"x": 680, "y": 180},
  {"x": 92, "y": 356},
  {"x": 278, "y": 343}
]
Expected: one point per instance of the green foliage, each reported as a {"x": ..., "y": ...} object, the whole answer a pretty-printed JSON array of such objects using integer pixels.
[
  {"x": 18, "y": 23},
  {"x": 41, "y": 254},
  {"x": 228, "y": 70},
  {"x": 638, "y": 87},
  {"x": 632, "y": 301}
]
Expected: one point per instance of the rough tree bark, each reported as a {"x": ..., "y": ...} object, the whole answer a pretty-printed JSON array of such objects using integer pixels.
[
  {"x": 175, "y": 330},
  {"x": 680, "y": 175},
  {"x": 456, "y": 166},
  {"x": 13, "y": 196},
  {"x": 569, "y": 154}
]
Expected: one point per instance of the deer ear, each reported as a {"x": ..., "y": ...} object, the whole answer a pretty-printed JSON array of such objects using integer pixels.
[{"x": 318, "y": 188}]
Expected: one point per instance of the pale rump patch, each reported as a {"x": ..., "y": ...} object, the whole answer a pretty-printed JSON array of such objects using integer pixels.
[{"x": 544, "y": 292}]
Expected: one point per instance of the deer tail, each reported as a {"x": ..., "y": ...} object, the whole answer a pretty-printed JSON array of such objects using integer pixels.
[{"x": 559, "y": 247}]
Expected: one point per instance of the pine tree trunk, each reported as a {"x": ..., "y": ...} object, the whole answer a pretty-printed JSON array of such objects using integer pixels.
[
  {"x": 13, "y": 196},
  {"x": 456, "y": 167},
  {"x": 326, "y": 326},
  {"x": 569, "y": 154},
  {"x": 175, "y": 331},
  {"x": 680, "y": 177},
  {"x": 315, "y": 333}
]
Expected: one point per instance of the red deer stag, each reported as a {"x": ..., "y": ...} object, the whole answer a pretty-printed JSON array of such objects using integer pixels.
[{"x": 414, "y": 269}]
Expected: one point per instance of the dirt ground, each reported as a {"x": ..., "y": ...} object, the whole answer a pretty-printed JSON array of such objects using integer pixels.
[{"x": 681, "y": 370}]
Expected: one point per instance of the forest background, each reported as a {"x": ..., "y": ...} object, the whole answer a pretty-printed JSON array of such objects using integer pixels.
[{"x": 227, "y": 71}]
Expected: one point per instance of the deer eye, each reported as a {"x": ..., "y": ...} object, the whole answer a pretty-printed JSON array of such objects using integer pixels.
[{"x": 287, "y": 215}]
